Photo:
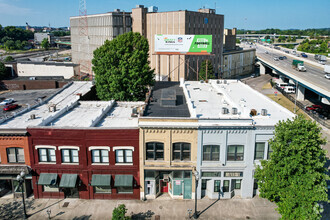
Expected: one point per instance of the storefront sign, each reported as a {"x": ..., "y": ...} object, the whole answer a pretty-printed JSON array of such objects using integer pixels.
[
  {"x": 233, "y": 174},
  {"x": 178, "y": 182},
  {"x": 183, "y": 43}
]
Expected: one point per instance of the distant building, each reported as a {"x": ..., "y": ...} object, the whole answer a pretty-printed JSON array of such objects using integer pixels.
[
  {"x": 38, "y": 38},
  {"x": 101, "y": 27},
  {"x": 107, "y": 26},
  {"x": 229, "y": 42},
  {"x": 203, "y": 22}
]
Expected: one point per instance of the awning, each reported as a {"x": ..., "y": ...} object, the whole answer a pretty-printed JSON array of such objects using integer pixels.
[
  {"x": 101, "y": 180},
  {"x": 47, "y": 179},
  {"x": 124, "y": 180},
  {"x": 68, "y": 181}
]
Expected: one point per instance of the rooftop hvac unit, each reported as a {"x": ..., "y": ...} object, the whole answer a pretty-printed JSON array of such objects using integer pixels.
[
  {"x": 201, "y": 81},
  {"x": 224, "y": 110},
  {"x": 225, "y": 82},
  {"x": 32, "y": 116},
  {"x": 134, "y": 112},
  {"x": 253, "y": 112},
  {"x": 52, "y": 108},
  {"x": 234, "y": 111},
  {"x": 264, "y": 112},
  {"x": 218, "y": 81}
]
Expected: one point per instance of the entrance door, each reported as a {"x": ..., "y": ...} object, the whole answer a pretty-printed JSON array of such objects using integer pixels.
[
  {"x": 187, "y": 189},
  {"x": 71, "y": 192},
  {"x": 164, "y": 186}
]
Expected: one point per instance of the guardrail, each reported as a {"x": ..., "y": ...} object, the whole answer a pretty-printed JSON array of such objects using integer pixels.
[{"x": 323, "y": 120}]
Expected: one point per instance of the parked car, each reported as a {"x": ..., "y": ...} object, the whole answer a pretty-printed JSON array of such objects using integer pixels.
[
  {"x": 327, "y": 76},
  {"x": 287, "y": 51},
  {"x": 276, "y": 59},
  {"x": 266, "y": 52},
  {"x": 7, "y": 101},
  {"x": 10, "y": 107},
  {"x": 284, "y": 57},
  {"x": 313, "y": 107}
]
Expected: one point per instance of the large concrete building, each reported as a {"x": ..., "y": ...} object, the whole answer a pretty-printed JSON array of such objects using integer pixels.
[
  {"x": 203, "y": 22},
  {"x": 107, "y": 26},
  {"x": 101, "y": 27}
]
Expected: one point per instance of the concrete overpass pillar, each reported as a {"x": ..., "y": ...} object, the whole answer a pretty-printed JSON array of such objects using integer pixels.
[
  {"x": 301, "y": 93},
  {"x": 262, "y": 69}
]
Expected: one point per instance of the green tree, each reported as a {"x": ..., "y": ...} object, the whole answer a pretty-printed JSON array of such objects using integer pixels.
[
  {"x": 9, "y": 59},
  {"x": 10, "y": 45},
  {"x": 121, "y": 68},
  {"x": 119, "y": 212},
  {"x": 294, "y": 39},
  {"x": 3, "y": 71},
  {"x": 45, "y": 44},
  {"x": 238, "y": 41},
  {"x": 202, "y": 71},
  {"x": 295, "y": 177}
]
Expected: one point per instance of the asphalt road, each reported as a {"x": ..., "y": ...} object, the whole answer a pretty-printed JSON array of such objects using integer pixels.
[
  {"x": 314, "y": 75},
  {"x": 24, "y": 99}
]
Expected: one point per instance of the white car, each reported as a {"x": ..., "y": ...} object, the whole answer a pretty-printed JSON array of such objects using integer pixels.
[
  {"x": 276, "y": 59},
  {"x": 6, "y": 101},
  {"x": 327, "y": 76}
]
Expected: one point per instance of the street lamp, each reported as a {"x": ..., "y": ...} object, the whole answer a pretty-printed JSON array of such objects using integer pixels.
[
  {"x": 196, "y": 174},
  {"x": 20, "y": 178}
]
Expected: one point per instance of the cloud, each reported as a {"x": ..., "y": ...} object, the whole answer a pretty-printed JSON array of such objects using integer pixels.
[{"x": 9, "y": 9}]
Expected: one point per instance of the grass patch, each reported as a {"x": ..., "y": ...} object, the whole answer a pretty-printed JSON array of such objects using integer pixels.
[
  {"x": 267, "y": 86},
  {"x": 286, "y": 103}
]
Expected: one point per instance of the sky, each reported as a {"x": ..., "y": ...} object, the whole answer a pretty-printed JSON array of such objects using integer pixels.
[{"x": 242, "y": 14}]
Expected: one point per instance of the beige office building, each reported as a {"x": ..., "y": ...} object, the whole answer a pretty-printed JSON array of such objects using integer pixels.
[
  {"x": 101, "y": 27},
  {"x": 174, "y": 67}
]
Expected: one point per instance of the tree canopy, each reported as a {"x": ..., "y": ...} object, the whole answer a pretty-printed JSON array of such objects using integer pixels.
[
  {"x": 14, "y": 38},
  {"x": 121, "y": 68},
  {"x": 3, "y": 71},
  {"x": 45, "y": 44},
  {"x": 119, "y": 212},
  {"x": 202, "y": 71},
  {"x": 295, "y": 177}
]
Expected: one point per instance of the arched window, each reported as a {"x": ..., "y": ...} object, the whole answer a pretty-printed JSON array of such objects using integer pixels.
[
  {"x": 154, "y": 151},
  {"x": 181, "y": 151}
]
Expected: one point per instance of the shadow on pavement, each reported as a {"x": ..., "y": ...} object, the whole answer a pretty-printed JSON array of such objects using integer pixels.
[
  {"x": 143, "y": 215},
  {"x": 46, "y": 207},
  {"x": 83, "y": 217}
]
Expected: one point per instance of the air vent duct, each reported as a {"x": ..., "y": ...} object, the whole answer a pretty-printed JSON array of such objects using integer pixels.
[{"x": 264, "y": 112}]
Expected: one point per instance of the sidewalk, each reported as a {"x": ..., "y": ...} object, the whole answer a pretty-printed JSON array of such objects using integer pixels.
[{"x": 80, "y": 209}]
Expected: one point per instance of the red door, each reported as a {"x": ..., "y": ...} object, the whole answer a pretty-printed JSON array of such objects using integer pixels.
[{"x": 164, "y": 186}]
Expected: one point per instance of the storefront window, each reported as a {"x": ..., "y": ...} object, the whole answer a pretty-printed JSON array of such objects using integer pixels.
[
  {"x": 211, "y": 174},
  {"x": 217, "y": 184},
  {"x": 50, "y": 188},
  {"x": 237, "y": 184},
  {"x": 187, "y": 174},
  {"x": 123, "y": 190},
  {"x": 102, "y": 189},
  {"x": 149, "y": 174},
  {"x": 177, "y": 174},
  {"x": 17, "y": 188},
  {"x": 259, "y": 151},
  {"x": 226, "y": 186}
]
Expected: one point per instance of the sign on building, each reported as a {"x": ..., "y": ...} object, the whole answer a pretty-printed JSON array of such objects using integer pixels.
[{"x": 183, "y": 44}]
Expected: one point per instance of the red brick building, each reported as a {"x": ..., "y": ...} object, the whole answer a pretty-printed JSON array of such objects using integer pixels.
[{"x": 88, "y": 163}]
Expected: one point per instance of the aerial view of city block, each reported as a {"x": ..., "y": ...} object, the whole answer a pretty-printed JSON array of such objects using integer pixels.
[{"x": 159, "y": 110}]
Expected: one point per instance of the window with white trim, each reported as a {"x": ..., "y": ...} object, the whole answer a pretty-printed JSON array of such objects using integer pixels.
[
  {"x": 124, "y": 156},
  {"x": 15, "y": 155},
  {"x": 47, "y": 155},
  {"x": 100, "y": 156},
  {"x": 259, "y": 151},
  {"x": 70, "y": 156}
]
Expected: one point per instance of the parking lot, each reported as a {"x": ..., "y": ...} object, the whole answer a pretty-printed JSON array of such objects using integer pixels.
[{"x": 24, "y": 98}]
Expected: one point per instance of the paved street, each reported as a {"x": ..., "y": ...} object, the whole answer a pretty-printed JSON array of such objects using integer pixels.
[{"x": 235, "y": 208}]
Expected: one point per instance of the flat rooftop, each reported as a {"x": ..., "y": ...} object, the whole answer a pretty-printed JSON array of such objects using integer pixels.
[
  {"x": 84, "y": 114},
  {"x": 232, "y": 99},
  {"x": 63, "y": 100},
  {"x": 157, "y": 108},
  {"x": 122, "y": 115}
]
